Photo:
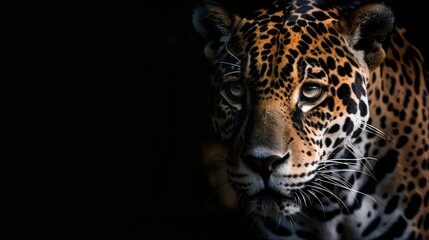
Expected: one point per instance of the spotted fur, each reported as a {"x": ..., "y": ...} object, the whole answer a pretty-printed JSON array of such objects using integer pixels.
[{"x": 322, "y": 110}]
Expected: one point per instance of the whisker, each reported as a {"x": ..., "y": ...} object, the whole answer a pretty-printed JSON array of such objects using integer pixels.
[
  {"x": 335, "y": 175},
  {"x": 323, "y": 188},
  {"x": 346, "y": 161},
  {"x": 332, "y": 162},
  {"x": 372, "y": 129},
  {"x": 304, "y": 215},
  {"x": 292, "y": 222},
  {"x": 317, "y": 198},
  {"x": 298, "y": 199},
  {"x": 229, "y": 73},
  {"x": 279, "y": 222},
  {"x": 366, "y": 164},
  {"x": 236, "y": 58},
  {"x": 360, "y": 156},
  {"x": 319, "y": 192},
  {"x": 228, "y": 63},
  {"x": 348, "y": 188},
  {"x": 342, "y": 180},
  {"x": 335, "y": 182},
  {"x": 353, "y": 150},
  {"x": 348, "y": 170},
  {"x": 306, "y": 195},
  {"x": 303, "y": 197}
]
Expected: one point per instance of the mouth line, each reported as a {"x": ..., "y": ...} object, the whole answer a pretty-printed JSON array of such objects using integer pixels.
[
  {"x": 270, "y": 194},
  {"x": 269, "y": 202}
]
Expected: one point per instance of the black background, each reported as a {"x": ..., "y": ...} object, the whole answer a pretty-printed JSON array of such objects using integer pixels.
[{"x": 110, "y": 120}]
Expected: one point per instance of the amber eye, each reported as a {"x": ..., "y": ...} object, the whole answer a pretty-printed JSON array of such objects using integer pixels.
[
  {"x": 235, "y": 90},
  {"x": 311, "y": 92}
]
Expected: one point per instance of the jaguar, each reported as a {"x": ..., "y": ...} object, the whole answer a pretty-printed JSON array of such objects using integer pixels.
[{"x": 321, "y": 109}]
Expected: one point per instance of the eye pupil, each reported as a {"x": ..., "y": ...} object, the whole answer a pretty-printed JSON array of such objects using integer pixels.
[
  {"x": 235, "y": 90},
  {"x": 311, "y": 91}
]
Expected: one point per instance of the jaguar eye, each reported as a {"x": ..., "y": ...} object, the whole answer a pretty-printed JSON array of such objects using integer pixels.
[
  {"x": 311, "y": 92},
  {"x": 235, "y": 90}
]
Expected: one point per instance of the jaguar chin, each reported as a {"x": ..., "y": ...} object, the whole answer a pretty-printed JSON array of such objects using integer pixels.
[{"x": 271, "y": 203}]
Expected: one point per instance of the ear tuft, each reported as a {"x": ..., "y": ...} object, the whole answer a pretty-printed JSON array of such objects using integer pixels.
[{"x": 368, "y": 26}]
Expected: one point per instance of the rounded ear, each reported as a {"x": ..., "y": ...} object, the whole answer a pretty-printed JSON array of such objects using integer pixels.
[
  {"x": 367, "y": 27},
  {"x": 214, "y": 24}
]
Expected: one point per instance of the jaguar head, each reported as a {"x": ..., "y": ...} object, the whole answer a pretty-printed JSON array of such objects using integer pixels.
[{"x": 288, "y": 92}]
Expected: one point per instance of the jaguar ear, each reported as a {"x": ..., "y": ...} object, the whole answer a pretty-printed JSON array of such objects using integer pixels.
[
  {"x": 367, "y": 27},
  {"x": 214, "y": 24}
]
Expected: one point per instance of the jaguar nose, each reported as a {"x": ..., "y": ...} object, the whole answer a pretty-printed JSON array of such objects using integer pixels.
[{"x": 263, "y": 165}]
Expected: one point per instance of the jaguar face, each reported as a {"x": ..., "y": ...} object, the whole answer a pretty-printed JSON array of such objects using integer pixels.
[
  {"x": 288, "y": 93},
  {"x": 286, "y": 118}
]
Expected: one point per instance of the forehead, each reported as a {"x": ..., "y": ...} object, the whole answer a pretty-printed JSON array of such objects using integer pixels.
[
  {"x": 283, "y": 35},
  {"x": 287, "y": 21}
]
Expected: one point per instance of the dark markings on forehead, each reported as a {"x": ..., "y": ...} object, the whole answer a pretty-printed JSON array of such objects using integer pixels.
[
  {"x": 272, "y": 61},
  {"x": 344, "y": 70},
  {"x": 312, "y": 73}
]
